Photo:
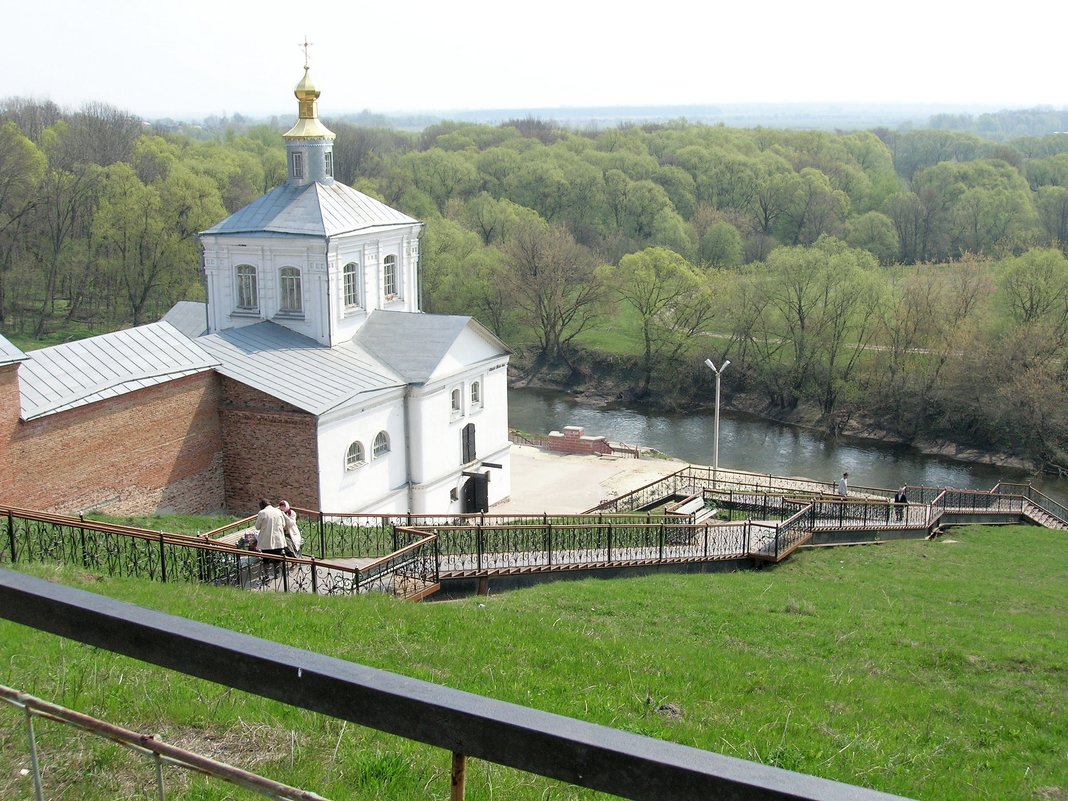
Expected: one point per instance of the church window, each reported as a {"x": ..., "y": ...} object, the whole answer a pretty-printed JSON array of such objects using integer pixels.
[
  {"x": 467, "y": 443},
  {"x": 351, "y": 283},
  {"x": 389, "y": 277},
  {"x": 381, "y": 447},
  {"x": 298, "y": 165},
  {"x": 476, "y": 394},
  {"x": 355, "y": 457},
  {"x": 455, "y": 403},
  {"x": 247, "y": 295},
  {"x": 330, "y": 165},
  {"x": 290, "y": 301}
]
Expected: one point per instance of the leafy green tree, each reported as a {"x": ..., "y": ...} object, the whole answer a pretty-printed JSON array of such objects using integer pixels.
[
  {"x": 721, "y": 245},
  {"x": 1052, "y": 202},
  {"x": 147, "y": 235},
  {"x": 817, "y": 207},
  {"x": 22, "y": 166},
  {"x": 672, "y": 298},
  {"x": 441, "y": 175},
  {"x": 552, "y": 280},
  {"x": 1035, "y": 289},
  {"x": 811, "y": 318},
  {"x": 874, "y": 232}
]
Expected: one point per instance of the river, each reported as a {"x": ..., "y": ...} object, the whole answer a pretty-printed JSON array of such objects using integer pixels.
[{"x": 764, "y": 446}]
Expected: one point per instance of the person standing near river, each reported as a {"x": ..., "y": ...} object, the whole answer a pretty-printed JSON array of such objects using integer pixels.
[
  {"x": 843, "y": 485},
  {"x": 901, "y": 500}
]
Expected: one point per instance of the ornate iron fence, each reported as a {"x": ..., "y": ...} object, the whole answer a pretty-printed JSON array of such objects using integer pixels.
[{"x": 160, "y": 556}]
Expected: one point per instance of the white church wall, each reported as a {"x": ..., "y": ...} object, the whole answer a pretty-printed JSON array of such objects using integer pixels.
[
  {"x": 369, "y": 253},
  {"x": 440, "y": 413},
  {"x": 373, "y": 485},
  {"x": 268, "y": 255}
]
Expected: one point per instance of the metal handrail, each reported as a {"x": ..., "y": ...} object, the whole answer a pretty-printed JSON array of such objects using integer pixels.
[
  {"x": 162, "y": 753},
  {"x": 465, "y": 725}
]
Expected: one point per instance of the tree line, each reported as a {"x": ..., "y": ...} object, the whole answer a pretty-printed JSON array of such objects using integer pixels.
[{"x": 917, "y": 277}]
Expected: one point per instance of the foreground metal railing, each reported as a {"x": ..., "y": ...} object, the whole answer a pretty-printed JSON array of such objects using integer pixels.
[
  {"x": 161, "y": 753},
  {"x": 466, "y": 725}
]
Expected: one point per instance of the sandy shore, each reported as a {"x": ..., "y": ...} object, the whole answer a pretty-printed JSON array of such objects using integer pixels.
[{"x": 543, "y": 481}]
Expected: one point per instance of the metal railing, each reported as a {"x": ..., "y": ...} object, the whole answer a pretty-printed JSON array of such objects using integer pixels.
[
  {"x": 116, "y": 550},
  {"x": 161, "y": 753},
  {"x": 589, "y": 542},
  {"x": 464, "y": 725},
  {"x": 1057, "y": 511}
]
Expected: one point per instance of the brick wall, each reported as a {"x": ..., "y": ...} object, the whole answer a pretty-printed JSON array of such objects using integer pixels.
[
  {"x": 9, "y": 420},
  {"x": 154, "y": 450},
  {"x": 271, "y": 450},
  {"x": 573, "y": 440}
]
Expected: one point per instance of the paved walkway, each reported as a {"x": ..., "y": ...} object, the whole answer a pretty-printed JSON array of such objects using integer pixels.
[{"x": 543, "y": 481}]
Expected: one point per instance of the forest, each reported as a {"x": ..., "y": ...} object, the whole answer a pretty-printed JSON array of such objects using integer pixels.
[{"x": 911, "y": 281}]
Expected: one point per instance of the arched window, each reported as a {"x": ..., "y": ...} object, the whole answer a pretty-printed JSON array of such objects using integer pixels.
[
  {"x": 354, "y": 457},
  {"x": 298, "y": 165},
  {"x": 350, "y": 276},
  {"x": 476, "y": 393},
  {"x": 381, "y": 447},
  {"x": 454, "y": 401},
  {"x": 290, "y": 300},
  {"x": 247, "y": 290},
  {"x": 389, "y": 277}
]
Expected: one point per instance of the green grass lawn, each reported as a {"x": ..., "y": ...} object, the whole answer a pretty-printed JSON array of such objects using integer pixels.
[{"x": 935, "y": 670}]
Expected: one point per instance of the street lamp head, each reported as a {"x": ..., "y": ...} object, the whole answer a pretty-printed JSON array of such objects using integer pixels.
[{"x": 712, "y": 367}]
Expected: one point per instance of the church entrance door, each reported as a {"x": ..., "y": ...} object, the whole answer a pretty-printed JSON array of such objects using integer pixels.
[{"x": 476, "y": 493}]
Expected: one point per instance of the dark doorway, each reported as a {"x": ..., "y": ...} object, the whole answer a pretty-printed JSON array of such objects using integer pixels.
[{"x": 476, "y": 493}]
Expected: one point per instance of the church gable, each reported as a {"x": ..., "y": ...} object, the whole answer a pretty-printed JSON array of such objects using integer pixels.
[{"x": 425, "y": 347}]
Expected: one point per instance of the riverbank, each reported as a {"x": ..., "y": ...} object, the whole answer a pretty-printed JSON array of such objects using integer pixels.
[{"x": 606, "y": 393}]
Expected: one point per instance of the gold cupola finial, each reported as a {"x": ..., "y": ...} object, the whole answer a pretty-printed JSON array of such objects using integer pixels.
[{"x": 308, "y": 125}]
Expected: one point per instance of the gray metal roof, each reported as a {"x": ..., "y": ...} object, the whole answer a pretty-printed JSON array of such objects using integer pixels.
[
  {"x": 415, "y": 344},
  {"x": 188, "y": 316},
  {"x": 9, "y": 353},
  {"x": 296, "y": 369},
  {"x": 78, "y": 373},
  {"x": 312, "y": 210}
]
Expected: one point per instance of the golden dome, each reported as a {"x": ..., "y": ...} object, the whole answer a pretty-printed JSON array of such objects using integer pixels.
[{"x": 308, "y": 125}]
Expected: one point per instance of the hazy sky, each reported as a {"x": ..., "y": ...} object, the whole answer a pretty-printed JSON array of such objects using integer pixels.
[{"x": 195, "y": 58}]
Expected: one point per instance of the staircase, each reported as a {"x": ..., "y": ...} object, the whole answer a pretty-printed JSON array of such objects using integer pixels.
[{"x": 1041, "y": 517}]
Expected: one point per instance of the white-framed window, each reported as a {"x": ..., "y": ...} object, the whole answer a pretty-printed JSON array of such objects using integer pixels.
[
  {"x": 355, "y": 456},
  {"x": 290, "y": 300},
  {"x": 476, "y": 394},
  {"x": 330, "y": 164},
  {"x": 381, "y": 446},
  {"x": 350, "y": 275},
  {"x": 456, "y": 404},
  {"x": 389, "y": 277},
  {"x": 298, "y": 165},
  {"x": 247, "y": 289}
]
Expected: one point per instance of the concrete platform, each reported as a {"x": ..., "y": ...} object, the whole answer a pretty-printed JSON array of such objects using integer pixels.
[{"x": 553, "y": 483}]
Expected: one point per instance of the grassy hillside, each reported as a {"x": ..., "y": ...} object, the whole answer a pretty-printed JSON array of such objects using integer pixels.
[{"x": 935, "y": 670}]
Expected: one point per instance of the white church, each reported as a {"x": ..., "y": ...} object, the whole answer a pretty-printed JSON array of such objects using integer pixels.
[{"x": 328, "y": 385}]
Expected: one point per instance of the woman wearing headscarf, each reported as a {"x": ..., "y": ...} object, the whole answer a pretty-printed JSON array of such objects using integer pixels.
[{"x": 293, "y": 539}]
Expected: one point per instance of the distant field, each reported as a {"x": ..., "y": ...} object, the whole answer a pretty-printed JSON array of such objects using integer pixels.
[{"x": 934, "y": 670}]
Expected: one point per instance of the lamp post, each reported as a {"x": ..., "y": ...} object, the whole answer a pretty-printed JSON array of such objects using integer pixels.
[{"x": 715, "y": 431}]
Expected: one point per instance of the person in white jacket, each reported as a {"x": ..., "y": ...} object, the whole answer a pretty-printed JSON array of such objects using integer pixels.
[
  {"x": 294, "y": 541},
  {"x": 270, "y": 533}
]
